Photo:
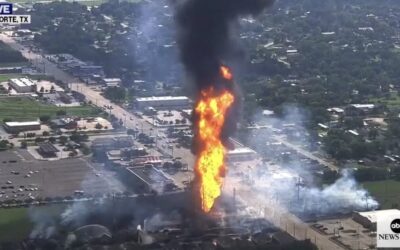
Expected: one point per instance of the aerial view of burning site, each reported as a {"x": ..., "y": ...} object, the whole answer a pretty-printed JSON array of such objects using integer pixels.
[{"x": 199, "y": 124}]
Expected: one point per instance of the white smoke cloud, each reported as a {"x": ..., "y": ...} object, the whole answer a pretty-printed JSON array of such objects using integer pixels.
[
  {"x": 290, "y": 183},
  {"x": 44, "y": 225}
]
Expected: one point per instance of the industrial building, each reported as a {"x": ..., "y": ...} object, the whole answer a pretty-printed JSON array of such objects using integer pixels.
[
  {"x": 162, "y": 102},
  {"x": 111, "y": 143},
  {"x": 22, "y": 85},
  {"x": 111, "y": 82},
  {"x": 369, "y": 219},
  {"x": 87, "y": 71},
  {"x": 46, "y": 149},
  {"x": 16, "y": 127},
  {"x": 241, "y": 154},
  {"x": 149, "y": 179}
]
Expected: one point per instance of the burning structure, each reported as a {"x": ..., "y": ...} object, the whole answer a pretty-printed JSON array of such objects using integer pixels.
[
  {"x": 205, "y": 43},
  {"x": 211, "y": 110}
]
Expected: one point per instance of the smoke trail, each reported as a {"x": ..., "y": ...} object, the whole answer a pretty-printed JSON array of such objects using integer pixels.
[
  {"x": 205, "y": 35},
  {"x": 44, "y": 225}
]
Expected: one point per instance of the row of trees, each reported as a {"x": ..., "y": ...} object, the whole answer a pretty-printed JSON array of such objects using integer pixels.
[{"x": 9, "y": 55}]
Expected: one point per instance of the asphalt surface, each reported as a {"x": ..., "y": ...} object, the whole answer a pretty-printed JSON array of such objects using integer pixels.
[{"x": 22, "y": 177}]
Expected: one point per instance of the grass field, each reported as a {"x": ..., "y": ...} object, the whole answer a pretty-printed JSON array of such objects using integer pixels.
[
  {"x": 20, "y": 64},
  {"x": 24, "y": 109},
  {"x": 16, "y": 223},
  {"x": 4, "y": 78},
  {"x": 387, "y": 193},
  {"x": 392, "y": 102}
]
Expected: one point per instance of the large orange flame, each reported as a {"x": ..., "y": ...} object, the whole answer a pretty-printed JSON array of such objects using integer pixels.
[{"x": 211, "y": 110}]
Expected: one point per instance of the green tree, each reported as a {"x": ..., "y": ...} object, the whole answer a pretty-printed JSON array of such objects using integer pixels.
[
  {"x": 44, "y": 118},
  {"x": 61, "y": 112},
  {"x": 115, "y": 94}
]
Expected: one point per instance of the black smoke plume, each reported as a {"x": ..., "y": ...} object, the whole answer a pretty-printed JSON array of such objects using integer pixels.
[
  {"x": 205, "y": 41},
  {"x": 204, "y": 34}
]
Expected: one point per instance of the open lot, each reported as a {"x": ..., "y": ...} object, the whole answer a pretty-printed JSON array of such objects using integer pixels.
[
  {"x": 24, "y": 108},
  {"x": 393, "y": 101},
  {"x": 15, "y": 223},
  {"x": 18, "y": 64},
  {"x": 21, "y": 178},
  {"x": 347, "y": 232},
  {"x": 387, "y": 192}
]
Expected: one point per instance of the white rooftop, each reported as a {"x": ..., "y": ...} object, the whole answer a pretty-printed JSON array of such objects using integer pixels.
[
  {"x": 22, "y": 82},
  {"x": 161, "y": 98},
  {"x": 362, "y": 106},
  {"x": 17, "y": 124},
  {"x": 18, "y": 82},
  {"x": 242, "y": 150},
  {"x": 372, "y": 215},
  {"x": 27, "y": 81},
  {"x": 353, "y": 132},
  {"x": 328, "y": 33},
  {"x": 112, "y": 79},
  {"x": 267, "y": 112},
  {"x": 335, "y": 109}
]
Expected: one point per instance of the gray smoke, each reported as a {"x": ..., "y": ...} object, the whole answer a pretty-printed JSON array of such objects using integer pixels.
[
  {"x": 154, "y": 46},
  {"x": 44, "y": 225},
  {"x": 162, "y": 220},
  {"x": 285, "y": 179}
]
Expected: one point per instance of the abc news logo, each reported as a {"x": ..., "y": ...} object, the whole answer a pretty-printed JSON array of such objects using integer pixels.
[
  {"x": 388, "y": 229},
  {"x": 395, "y": 227}
]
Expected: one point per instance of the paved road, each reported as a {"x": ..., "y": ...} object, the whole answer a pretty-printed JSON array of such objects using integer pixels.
[
  {"x": 298, "y": 149},
  {"x": 39, "y": 61},
  {"x": 75, "y": 84},
  {"x": 306, "y": 153}
]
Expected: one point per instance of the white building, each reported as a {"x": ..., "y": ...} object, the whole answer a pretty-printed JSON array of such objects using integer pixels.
[
  {"x": 369, "y": 219},
  {"x": 16, "y": 127},
  {"x": 111, "y": 82},
  {"x": 336, "y": 110},
  {"x": 22, "y": 85},
  {"x": 162, "y": 102},
  {"x": 241, "y": 154},
  {"x": 363, "y": 106}
]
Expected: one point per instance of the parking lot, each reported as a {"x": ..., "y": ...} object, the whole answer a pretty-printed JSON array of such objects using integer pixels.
[
  {"x": 22, "y": 178},
  {"x": 347, "y": 232}
]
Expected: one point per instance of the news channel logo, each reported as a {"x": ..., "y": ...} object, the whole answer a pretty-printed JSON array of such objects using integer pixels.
[
  {"x": 388, "y": 230},
  {"x": 7, "y": 15}
]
